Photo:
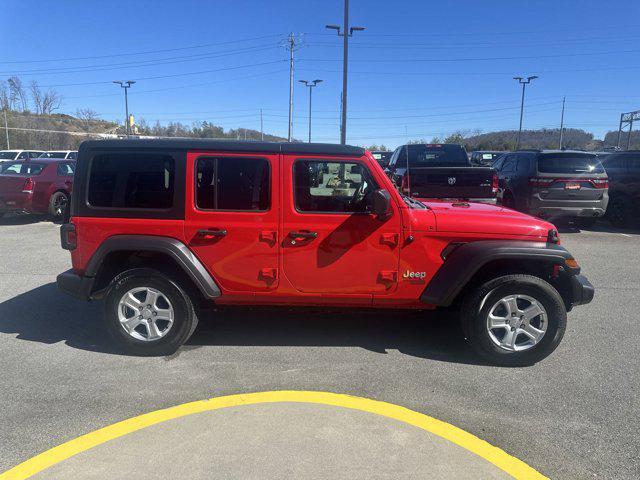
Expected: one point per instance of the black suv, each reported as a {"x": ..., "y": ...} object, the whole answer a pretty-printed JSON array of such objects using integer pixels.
[
  {"x": 554, "y": 184},
  {"x": 623, "y": 169}
]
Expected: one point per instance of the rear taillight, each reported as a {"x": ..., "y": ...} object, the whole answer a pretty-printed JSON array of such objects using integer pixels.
[
  {"x": 600, "y": 182},
  {"x": 541, "y": 181},
  {"x": 68, "y": 237},
  {"x": 494, "y": 183},
  {"x": 28, "y": 186}
]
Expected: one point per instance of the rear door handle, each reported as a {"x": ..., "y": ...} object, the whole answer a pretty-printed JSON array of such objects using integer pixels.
[
  {"x": 212, "y": 233},
  {"x": 303, "y": 234}
]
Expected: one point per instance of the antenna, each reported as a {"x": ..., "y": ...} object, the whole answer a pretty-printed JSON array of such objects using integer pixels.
[{"x": 407, "y": 176}]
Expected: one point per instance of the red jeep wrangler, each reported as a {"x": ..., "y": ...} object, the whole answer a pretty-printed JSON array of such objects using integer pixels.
[{"x": 160, "y": 227}]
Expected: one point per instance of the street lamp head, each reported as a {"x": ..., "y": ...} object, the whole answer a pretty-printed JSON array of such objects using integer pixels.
[
  {"x": 119, "y": 82},
  {"x": 533, "y": 77},
  {"x": 518, "y": 78},
  {"x": 131, "y": 82},
  {"x": 316, "y": 81},
  {"x": 333, "y": 27},
  {"x": 355, "y": 29},
  {"x": 306, "y": 82}
]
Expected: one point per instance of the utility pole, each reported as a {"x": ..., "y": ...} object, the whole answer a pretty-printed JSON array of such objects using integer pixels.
[
  {"x": 310, "y": 84},
  {"x": 562, "y": 123},
  {"x": 346, "y": 33},
  {"x": 524, "y": 83},
  {"x": 6, "y": 128},
  {"x": 261, "y": 127},
  {"x": 292, "y": 46},
  {"x": 126, "y": 85}
]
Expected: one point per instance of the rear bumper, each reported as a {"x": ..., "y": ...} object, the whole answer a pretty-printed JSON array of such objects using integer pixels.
[
  {"x": 568, "y": 208},
  {"x": 16, "y": 202},
  {"x": 77, "y": 286},
  {"x": 581, "y": 289}
]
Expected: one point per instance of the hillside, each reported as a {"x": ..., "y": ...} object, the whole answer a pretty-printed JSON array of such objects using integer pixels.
[
  {"x": 611, "y": 138},
  {"x": 545, "y": 138},
  {"x": 52, "y": 131},
  {"x": 58, "y": 131}
]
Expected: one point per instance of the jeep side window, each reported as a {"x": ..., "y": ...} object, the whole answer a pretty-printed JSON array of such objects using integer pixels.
[
  {"x": 232, "y": 183},
  {"x": 332, "y": 187},
  {"x": 131, "y": 180}
]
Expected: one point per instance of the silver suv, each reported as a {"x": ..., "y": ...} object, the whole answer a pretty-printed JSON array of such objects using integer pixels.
[{"x": 554, "y": 184}]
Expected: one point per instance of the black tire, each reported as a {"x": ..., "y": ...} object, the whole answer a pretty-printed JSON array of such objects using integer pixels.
[
  {"x": 185, "y": 318},
  {"x": 478, "y": 303},
  {"x": 58, "y": 202},
  {"x": 587, "y": 222},
  {"x": 508, "y": 201},
  {"x": 619, "y": 211}
]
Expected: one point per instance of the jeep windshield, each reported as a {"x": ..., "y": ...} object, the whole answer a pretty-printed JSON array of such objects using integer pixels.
[
  {"x": 434, "y": 156},
  {"x": 21, "y": 168},
  {"x": 569, "y": 163}
]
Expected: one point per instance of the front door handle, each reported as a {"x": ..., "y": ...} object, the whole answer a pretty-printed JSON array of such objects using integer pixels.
[
  {"x": 212, "y": 233},
  {"x": 303, "y": 234}
]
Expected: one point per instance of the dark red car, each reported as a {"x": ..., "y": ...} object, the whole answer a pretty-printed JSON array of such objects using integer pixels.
[{"x": 42, "y": 186}]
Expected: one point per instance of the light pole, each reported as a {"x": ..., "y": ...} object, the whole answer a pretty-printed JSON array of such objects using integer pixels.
[
  {"x": 126, "y": 85},
  {"x": 346, "y": 33},
  {"x": 310, "y": 84},
  {"x": 524, "y": 82}
]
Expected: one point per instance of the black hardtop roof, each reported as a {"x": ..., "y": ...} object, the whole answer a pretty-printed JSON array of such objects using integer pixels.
[{"x": 222, "y": 146}]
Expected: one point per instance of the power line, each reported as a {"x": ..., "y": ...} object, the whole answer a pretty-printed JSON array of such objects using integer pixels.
[
  {"x": 138, "y": 92},
  {"x": 477, "y": 59},
  {"x": 166, "y": 50},
  {"x": 145, "y": 63}
]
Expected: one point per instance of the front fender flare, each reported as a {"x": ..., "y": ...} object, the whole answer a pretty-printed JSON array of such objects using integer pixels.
[{"x": 467, "y": 259}]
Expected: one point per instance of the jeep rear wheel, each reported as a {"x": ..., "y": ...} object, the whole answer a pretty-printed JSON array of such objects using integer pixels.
[
  {"x": 148, "y": 314},
  {"x": 514, "y": 320}
]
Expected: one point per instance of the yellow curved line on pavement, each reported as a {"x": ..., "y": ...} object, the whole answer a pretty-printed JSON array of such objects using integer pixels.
[{"x": 511, "y": 465}]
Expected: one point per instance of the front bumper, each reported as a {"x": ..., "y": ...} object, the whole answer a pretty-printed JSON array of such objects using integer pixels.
[
  {"x": 77, "y": 286},
  {"x": 581, "y": 289}
]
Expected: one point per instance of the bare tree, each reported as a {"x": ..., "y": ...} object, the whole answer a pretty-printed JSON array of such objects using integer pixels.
[
  {"x": 88, "y": 116},
  {"x": 36, "y": 95},
  {"x": 17, "y": 92},
  {"x": 51, "y": 100}
]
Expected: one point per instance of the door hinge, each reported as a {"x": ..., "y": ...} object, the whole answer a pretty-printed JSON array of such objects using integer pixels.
[
  {"x": 389, "y": 239},
  {"x": 268, "y": 236},
  {"x": 268, "y": 274},
  {"x": 388, "y": 277}
]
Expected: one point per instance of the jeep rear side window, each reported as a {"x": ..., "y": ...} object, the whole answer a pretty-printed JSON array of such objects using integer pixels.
[
  {"x": 131, "y": 180},
  {"x": 232, "y": 183},
  {"x": 332, "y": 187}
]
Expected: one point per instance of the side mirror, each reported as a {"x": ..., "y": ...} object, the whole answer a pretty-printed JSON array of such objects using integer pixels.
[{"x": 381, "y": 204}]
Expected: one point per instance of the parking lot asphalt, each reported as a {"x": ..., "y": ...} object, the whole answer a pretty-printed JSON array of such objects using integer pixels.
[{"x": 574, "y": 415}]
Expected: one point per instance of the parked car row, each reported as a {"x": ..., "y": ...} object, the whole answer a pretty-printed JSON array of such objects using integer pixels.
[{"x": 551, "y": 184}]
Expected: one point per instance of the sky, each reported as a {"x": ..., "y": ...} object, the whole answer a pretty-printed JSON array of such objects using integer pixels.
[{"x": 420, "y": 69}]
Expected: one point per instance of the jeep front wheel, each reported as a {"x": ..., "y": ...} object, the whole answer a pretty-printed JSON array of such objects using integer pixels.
[
  {"x": 148, "y": 314},
  {"x": 514, "y": 320}
]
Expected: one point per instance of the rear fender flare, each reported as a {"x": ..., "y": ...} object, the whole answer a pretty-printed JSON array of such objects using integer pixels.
[{"x": 172, "y": 247}]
